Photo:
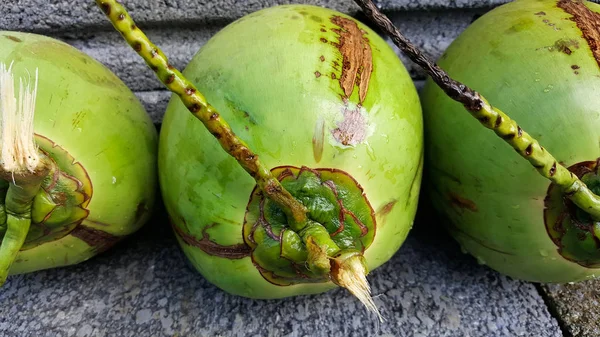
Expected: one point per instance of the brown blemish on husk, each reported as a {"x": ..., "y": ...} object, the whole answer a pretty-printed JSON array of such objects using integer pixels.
[
  {"x": 212, "y": 248},
  {"x": 140, "y": 211},
  {"x": 357, "y": 60},
  {"x": 13, "y": 38},
  {"x": 587, "y": 21},
  {"x": 79, "y": 116},
  {"x": 99, "y": 240},
  {"x": 480, "y": 242},
  {"x": 462, "y": 203},
  {"x": 318, "y": 140},
  {"x": 566, "y": 46},
  {"x": 385, "y": 210},
  {"x": 352, "y": 129},
  {"x": 414, "y": 178},
  {"x": 316, "y": 18}
]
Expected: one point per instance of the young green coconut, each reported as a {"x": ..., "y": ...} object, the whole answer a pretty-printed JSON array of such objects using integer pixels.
[
  {"x": 540, "y": 61},
  {"x": 77, "y": 161},
  {"x": 328, "y": 106}
]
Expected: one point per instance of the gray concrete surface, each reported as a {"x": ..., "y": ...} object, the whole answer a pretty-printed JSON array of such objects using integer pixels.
[
  {"x": 35, "y": 15},
  {"x": 145, "y": 288}
]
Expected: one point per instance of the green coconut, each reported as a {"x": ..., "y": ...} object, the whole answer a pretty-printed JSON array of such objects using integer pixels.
[
  {"x": 540, "y": 62},
  {"x": 93, "y": 181},
  {"x": 334, "y": 124}
]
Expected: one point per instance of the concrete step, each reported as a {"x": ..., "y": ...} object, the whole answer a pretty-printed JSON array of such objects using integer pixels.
[
  {"x": 144, "y": 287},
  {"x": 38, "y": 15}
]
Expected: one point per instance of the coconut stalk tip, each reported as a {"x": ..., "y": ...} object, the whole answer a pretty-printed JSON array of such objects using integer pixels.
[{"x": 351, "y": 273}]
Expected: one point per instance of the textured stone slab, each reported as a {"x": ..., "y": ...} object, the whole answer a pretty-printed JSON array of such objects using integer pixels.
[
  {"x": 155, "y": 103},
  {"x": 577, "y": 307},
  {"x": 40, "y": 15},
  {"x": 404, "y": 5},
  {"x": 109, "y": 48},
  {"x": 145, "y": 288},
  {"x": 432, "y": 31}
]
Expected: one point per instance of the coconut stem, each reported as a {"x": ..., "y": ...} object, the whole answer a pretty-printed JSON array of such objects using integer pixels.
[
  {"x": 349, "y": 270},
  {"x": 23, "y": 187},
  {"x": 201, "y": 109},
  {"x": 492, "y": 118}
]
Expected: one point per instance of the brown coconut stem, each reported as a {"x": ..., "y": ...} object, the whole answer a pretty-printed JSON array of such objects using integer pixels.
[
  {"x": 207, "y": 114},
  {"x": 492, "y": 118}
]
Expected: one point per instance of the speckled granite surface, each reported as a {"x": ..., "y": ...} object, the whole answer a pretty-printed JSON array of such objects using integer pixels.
[
  {"x": 144, "y": 287},
  {"x": 577, "y": 307},
  {"x": 39, "y": 15}
]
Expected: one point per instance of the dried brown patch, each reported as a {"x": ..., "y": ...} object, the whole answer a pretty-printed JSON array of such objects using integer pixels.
[
  {"x": 386, "y": 209},
  {"x": 461, "y": 202},
  {"x": 565, "y": 46},
  {"x": 13, "y": 38},
  {"x": 99, "y": 240},
  {"x": 357, "y": 60},
  {"x": 352, "y": 129},
  {"x": 482, "y": 243},
  {"x": 212, "y": 248},
  {"x": 140, "y": 211},
  {"x": 587, "y": 21},
  {"x": 318, "y": 140}
]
